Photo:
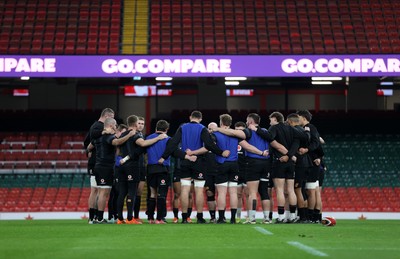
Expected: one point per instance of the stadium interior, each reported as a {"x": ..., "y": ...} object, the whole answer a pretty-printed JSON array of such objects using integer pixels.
[{"x": 42, "y": 159}]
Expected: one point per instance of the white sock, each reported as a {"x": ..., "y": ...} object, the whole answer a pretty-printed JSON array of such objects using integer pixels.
[
  {"x": 238, "y": 212},
  {"x": 266, "y": 214}
]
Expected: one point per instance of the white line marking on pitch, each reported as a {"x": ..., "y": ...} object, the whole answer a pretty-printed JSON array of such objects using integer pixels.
[
  {"x": 263, "y": 231},
  {"x": 307, "y": 249}
]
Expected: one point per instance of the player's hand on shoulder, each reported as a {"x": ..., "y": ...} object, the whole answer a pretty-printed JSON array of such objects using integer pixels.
[
  {"x": 162, "y": 136},
  {"x": 252, "y": 127}
]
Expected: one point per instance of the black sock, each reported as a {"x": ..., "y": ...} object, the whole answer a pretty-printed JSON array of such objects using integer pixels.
[
  {"x": 136, "y": 207},
  {"x": 189, "y": 212},
  {"x": 175, "y": 210},
  {"x": 95, "y": 213},
  {"x": 199, "y": 215},
  {"x": 310, "y": 214},
  {"x": 281, "y": 210},
  {"x": 129, "y": 207},
  {"x": 254, "y": 204},
  {"x": 320, "y": 216},
  {"x": 233, "y": 215},
  {"x": 221, "y": 214},
  {"x": 161, "y": 207},
  {"x": 270, "y": 215},
  {"x": 316, "y": 214},
  {"x": 100, "y": 215},
  {"x": 151, "y": 208},
  {"x": 184, "y": 216},
  {"x": 302, "y": 213},
  {"x": 212, "y": 214},
  {"x": 92, "y": 212},
  {"x": 292, "y": 208}
]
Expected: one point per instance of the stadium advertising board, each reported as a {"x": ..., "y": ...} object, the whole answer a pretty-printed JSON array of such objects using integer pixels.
[{"x": 200, "y": 66}]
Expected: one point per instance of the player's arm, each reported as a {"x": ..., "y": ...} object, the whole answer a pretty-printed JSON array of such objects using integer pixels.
[
  {"x": 209, "y": 144},
  {"x": 148, "y": 142},
  {"x": 120, "y": 141},
  {"x": 173, "y": 143},
  {"x": 197, "y": 152},
  {"x": 252, "y": 149},
  {"x": 279, "y": 147},
  {"x": 182, "y": 155},
  {"x": 232, "y": 132},
  {"x": 267, "y": 135}
]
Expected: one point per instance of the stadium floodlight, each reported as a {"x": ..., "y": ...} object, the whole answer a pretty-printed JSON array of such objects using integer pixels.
[
  {"x": 321, "y": 82},
  {"x": 25, "y": 78},
  {"x": 232, "y": 82},
  {"x": 235, "y": 78},
  {"x": 160, "y": 78},
  {"x": 327, "y": 78}
]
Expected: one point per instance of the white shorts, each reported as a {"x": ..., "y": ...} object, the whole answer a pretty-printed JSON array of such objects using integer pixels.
[{"x": 93, "y": 182}]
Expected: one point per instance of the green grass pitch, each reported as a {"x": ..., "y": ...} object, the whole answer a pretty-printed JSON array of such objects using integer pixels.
[{"x": 76, "y": 239}]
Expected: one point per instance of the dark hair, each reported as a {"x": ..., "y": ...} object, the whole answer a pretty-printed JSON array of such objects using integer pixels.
[
  {"x": 278, "y": 116},
  {"x": 240, "y": 124},
  {"x": 131, "y": 120},
  {"x": 122, "y": 126},
  {"x": 140, "y": 118},
  {"x": 256, "y": 118},
  {"x": 106, "y": 111},
  {"x": 226, "y": 119},
  {"x": 162, "y": 125},
  {"x": 293, "y": 117},
  {"x": 306, "y": 114},
  {"x": 196, "y": 114}
]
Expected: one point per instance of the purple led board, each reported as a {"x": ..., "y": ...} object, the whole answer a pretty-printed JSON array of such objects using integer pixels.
[{"x": 200, "y": 66}]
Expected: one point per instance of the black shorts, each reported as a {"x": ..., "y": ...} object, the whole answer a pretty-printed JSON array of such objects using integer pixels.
[
  {"x": 321, "y": 176},
  {"x": 227, "y": 172},
  {"x": 257, "y": 168},
  {"x": 242, "y": 175},
  {"x": 194, "y": 170},
  {"x": 90, "y": 170},
  {"x": 313, "y": 174},
  {"x": 156, "y": 180},
  {"x": 300, "y": 176},
  {"x": 210, "y": 182},
  {"x": 127, "y": 173},
  {"x": 283, "y": 170},
  {"x": 104, "y": 175},
  {"x": 176, "y": 176},
  {"x": 143, "y": 174}
]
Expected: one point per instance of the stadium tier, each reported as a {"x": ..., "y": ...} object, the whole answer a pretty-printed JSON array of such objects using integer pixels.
[
  {"x": 352, "y": 183},
  {"x": 60, "y": 27},
  {"x": 199, "y": 27},
  {"x": 274, "y": 27}
]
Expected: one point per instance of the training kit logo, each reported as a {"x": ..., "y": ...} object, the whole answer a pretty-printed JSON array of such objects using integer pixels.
[
  {"x": 341, "y": 65},
  {"x": 129, "y": 177},
  {"x": 28, "y": 65},
  {"x": 175, "y": 66},
  {"x": 201, "y": 176},
  {"x": 162, "y": 182},
  {"x": 102, "y": 181}
]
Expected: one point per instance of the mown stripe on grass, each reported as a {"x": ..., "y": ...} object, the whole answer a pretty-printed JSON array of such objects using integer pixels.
[
  {"x": 263, "y": 231},
  {"x": 307, "y": 249}
]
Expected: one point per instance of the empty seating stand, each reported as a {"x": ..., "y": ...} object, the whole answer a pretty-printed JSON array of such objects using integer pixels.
[
  {"x": 60, "y": 27},
  {"x": 274, "y": 27},
  {"x": 42, "y": 152}
]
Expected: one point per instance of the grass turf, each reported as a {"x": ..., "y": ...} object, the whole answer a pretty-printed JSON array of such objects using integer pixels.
[{"x": 77, "y": 239}]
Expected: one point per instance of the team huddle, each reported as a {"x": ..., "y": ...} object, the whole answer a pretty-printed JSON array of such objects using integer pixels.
[{"x": 247, "y": 162}]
